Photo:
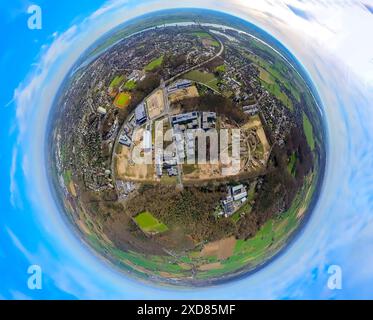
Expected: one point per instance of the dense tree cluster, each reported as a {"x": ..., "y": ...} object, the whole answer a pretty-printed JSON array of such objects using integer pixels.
[
  {"x": 174, "y": 61},
  {"x": 215, "y": 103},
  {"x": 190, "y": 209}
]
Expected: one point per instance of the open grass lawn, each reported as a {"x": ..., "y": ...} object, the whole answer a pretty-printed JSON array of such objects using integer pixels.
[
  {"x": 122, "y": 100},
  {"x": 149, "y": 224},
  {"x": 117, "y": 81},
  {"x": 308, "y": 131},
  {"x": 222, "y": 68},
  {"x": 206, "y": 78},
  {"x": 202, "y": 34},
  {"x": 130, "y": 85},
  {"x": 154, "y": 64}
]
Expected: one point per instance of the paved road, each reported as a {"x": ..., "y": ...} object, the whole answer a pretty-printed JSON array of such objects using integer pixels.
[{"x": 166, "y": 112}]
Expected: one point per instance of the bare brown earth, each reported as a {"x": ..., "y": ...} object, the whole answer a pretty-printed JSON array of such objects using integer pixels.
[
  {"x": 210, "y": 266},
  {"x": 72, "y": 189},
  {"x": 127, "y": 170},
  {"x": 155, "y": 104},
  {"x": 222, "y": 249},
  {"x": 179, "y": 95}
]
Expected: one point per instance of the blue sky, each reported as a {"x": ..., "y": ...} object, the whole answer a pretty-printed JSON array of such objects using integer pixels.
[{"x": 33, "y": 64}]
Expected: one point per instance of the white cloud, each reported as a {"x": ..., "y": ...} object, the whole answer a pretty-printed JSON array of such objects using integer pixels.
[{"x": 13, "y": 189}]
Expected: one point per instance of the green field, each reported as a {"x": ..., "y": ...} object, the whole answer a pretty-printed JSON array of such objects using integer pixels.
[
  {"x": 117, "y": 81},
  {"x": 292, "y": 163},
  {"x": 130, "y": 85},
  {"x": 154, "y": 64},
  {"x": 206, "y": 78},
  {"x": 205, "y": 35},
  {"x": 266, "y": 76},
  {"x": 308, "y": 131},
  {"x": 273, "y": 87},
  {"x": 222, "y": 68},
  {"x": 202, "y": 35},
  {"x": 67, "y": 176},
  {"x": 149, "y": 224}
]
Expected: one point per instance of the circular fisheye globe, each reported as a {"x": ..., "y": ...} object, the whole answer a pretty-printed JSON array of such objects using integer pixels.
[{"x": 186, "y": 147}]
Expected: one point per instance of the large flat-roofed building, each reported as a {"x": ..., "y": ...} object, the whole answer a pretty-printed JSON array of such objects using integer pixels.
[
  {"x": 140, "y": 114},
  {"x": 208, "y": 120},
  {"x": 238, "y": 192},
  {"x": 237, "y": 195},
  {"x": 185, "y": 118},
  {"x": 228, "y": 206},
  {"x": 148, "y": 145},
  {"x": 182, "y": 84},
  {"x": 180, "y": 150},
  {"x": 101, "y": 110},
  {"x": 125, "y": 140},
  {"x": 159, "y": 170}
]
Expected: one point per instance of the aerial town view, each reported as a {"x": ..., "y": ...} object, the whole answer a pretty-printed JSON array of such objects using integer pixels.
[{"x": 185, "y": 148}]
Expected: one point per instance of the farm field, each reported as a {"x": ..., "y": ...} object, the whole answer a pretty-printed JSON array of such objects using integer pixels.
[
  {"x": 206, "y": 38},
  {"x": 276, "y": 72},
  {"x": 181, "y": 94},
  {"x": 308, "y": 131}
]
